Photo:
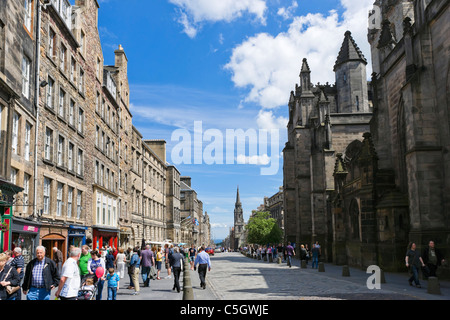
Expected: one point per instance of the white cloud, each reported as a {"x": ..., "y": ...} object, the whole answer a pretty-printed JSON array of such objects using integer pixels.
[
  {"x": 194, "y": 12},
  {"x": 267, "y": 120},
  {"x": 269, "y": 65},
  {"x": 255, "y": 159},
  {"x": 288, "y": 12}
]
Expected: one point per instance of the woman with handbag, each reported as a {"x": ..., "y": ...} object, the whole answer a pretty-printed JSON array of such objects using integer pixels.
[{"x": 9, "y": 280}]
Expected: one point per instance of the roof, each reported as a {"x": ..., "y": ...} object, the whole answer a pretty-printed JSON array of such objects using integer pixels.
[{"x": 349, "y": 51}]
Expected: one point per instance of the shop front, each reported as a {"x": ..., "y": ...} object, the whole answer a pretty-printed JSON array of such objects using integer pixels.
[
  {"x": 105, "y": 237},
  {"x": 77, "y": 236},
  {"x": 7, "y": 193},
  {"x": 25, "y": 234}
]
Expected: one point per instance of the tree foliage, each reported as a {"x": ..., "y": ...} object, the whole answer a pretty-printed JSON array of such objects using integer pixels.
[{"x": 262, "y": 229}]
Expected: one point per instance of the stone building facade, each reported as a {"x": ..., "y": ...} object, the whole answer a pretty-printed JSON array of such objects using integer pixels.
[
  {"x": 323, "y": 120},
  {"x": 89, "y": 177},
  {"x": 18, "y": 33},
  {"x": 274, "y": 205},
  {"x": 393, "y": 187}
]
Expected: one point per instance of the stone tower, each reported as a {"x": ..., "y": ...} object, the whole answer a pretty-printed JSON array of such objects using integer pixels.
[{"x": 323, "y": 120}]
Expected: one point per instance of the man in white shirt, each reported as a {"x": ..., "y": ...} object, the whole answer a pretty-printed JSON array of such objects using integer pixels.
[{"x": 70, "y": 277}]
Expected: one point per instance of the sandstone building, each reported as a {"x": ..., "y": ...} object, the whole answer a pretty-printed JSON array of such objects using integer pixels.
[
  {"x": 73, "y": 168},
  {"x": 393, "y": 187},
  {"x": 323, "y": 120}
]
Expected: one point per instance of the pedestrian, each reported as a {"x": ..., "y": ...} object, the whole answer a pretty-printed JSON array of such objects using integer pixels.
[
  {"x": 19, "y": 264},
  {"x": 192, "y": 253},
  {"x": 10, "y": 256},
  {"x": 109, "y": 259},
  {"x": 70, "y": 281},
  {"x": 83, "y": 262},
  {"x": 95, "y": 262},
  {"x": 128, "y": 256},
  {"x": 134, "y": 270},
  {"x": 176, "y": 262},
  {"x": 308, "y": 254},
  {"x": 315, "y": 255},
  {"x": 147, "y": 261},
  {"x": 167, "y": 253},
  {"x": 159, "y": 259},
  {"x": 113, "y": 280},
  {"x": 290, "y": 252},
  {"x": 120, "y": 263},
  {"x": 9, "y": 277},
  {"x": 41, "y": 276},
  {"x": 414, "y": 262},
  {"x": 58, "y": 258},
  {"x": 204, "y": 263},
  {"x": 432, "y": 258},
  {"x": 302, "y": 252}
]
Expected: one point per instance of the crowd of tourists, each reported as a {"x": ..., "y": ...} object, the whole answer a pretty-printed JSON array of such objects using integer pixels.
[{"x": 86, "y": 272}]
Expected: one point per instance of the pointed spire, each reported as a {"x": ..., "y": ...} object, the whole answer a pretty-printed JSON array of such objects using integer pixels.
[
  {"x": 238, "y": 198},
  {"x": 349, "y": 51},
  {"x": 305, "y": 67}
]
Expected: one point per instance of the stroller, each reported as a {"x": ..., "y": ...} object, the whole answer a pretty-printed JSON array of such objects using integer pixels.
[{"x": 88, "y": 288}]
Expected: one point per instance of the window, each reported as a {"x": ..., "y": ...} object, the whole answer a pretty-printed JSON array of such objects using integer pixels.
[
  {"x": 80, "y": 162},
  {"x": 71, "y": 112},
  {"x": 79, "y": 194},
  {"x": 98, "y": 68},
  {"x": 61, "y": 105},
  {"x": 48, "y": 144},
  {"x": 15, "y": 134},
  {"x": 81, "y": 81},
  {"x": 13, "y": 175},
  {"x": 26, "y": 66},
  {"x": 80, "y": 120},
  {"x": 70, "y": 157},
  {"x": 47, "y": 184},
  {"x": 27, "y": 141},
  {"x": 73, "y": 69},
  {"x": 51, "y": 43},
  {"x": 99, "y": 204},
  {"x": 59, "y": 195},
  {"x": 60, "y": 159},
  {"x": 97, "y": 103},
  {"x": 69, "y": 202},
  {"x": 26, "y": 190},
  {"x": 50, "y": 93},
  {"x": 62, "y": 57},
  {"x": 28, "y": 13},
  {"x": 97, "y": 165},
  {"x": 82, "y": 37}
]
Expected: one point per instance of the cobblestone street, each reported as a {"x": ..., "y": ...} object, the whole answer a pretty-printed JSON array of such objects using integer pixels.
[{"x": 236, "y": 277}]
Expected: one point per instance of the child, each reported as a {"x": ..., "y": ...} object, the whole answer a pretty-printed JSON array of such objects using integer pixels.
[
  {"x": 87, "y": 290},
  {"x": 113, "y": 284}
]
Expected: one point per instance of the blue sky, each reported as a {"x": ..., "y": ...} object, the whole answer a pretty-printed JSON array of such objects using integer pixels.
[{"x": 231, "y": 65}]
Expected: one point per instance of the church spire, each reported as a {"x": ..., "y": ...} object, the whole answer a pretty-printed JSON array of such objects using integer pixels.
[{"x": 238, "y": 198}]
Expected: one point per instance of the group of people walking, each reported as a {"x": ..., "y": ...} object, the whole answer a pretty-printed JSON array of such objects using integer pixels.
[
  {"x": 85, "y": 267},
  {"x": 287, "y": 252}
]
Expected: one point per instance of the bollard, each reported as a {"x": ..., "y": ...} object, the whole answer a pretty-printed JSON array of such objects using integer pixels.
[
  {"x": 433, "y": 286},
  {"x": 345, "y": 271},
  {"x": 383, "y": 279},
  {"x": 303, "y": 264},
  {"x": 279, "y": 260},
  {"x": 188, "y": 292},
  {"x": 321, "y": 267},
  {"x": 265, "y": 257},
  {"x": 270, "y": 258}
]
